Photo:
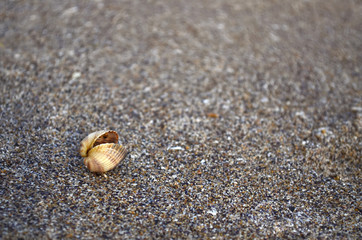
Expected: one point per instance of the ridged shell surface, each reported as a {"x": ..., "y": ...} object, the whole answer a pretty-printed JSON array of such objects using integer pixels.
[
  {"x": 104, "y": 157},
  {"x": 101, "y": 151},
  {"x": 95, "y": 139}
]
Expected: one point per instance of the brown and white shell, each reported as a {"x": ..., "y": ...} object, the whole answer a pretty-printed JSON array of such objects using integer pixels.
[{"x": 101, "y": 151}]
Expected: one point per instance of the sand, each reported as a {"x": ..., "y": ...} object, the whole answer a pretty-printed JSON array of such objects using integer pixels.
[{"x": 242, "y": 119}]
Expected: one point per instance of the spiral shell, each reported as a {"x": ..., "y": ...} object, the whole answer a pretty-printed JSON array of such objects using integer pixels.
[{"x": 101, "y": 151}]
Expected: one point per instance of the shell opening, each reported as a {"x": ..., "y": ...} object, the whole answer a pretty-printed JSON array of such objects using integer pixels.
[{"x": 108, "y": 137}]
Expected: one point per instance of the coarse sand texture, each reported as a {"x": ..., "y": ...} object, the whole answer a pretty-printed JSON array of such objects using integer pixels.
[{"x": 236, "y": 119}]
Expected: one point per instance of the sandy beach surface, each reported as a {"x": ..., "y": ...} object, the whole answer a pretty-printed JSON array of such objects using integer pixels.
[{"x": 242, "y": 119}]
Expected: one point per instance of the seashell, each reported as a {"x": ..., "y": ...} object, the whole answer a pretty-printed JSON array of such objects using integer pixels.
[{"x": 101, "y": 151}]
